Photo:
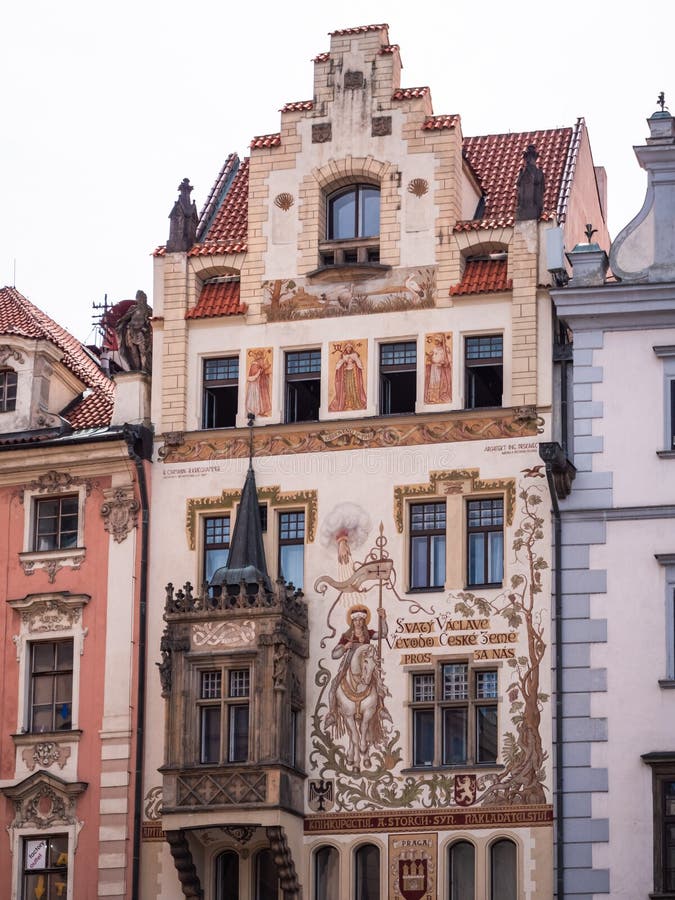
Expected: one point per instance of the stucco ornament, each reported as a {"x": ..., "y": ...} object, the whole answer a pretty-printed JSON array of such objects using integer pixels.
[
  {"x": 120, "y": 512},
  {"x": 153, "y": 803},
  {"x": 45, "y": 754},
  {"x": 7, "y": 352},
  {"x": 50, "y": 615},
  {"x": 212, "y": 634}
]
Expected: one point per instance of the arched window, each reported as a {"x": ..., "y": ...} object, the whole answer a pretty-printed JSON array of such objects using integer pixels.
[
  {"x": 354, "y": 212},
  {"x": 227, "y": 876},
  {"x": 367, "y": 873},
  {"x": 326, "y": 874},
  {"x": 7, "y": 390},
  {"x": 266, "y": 876},
  {"x": 503, "y": 870},
  {"x": 461, "y": 871}
]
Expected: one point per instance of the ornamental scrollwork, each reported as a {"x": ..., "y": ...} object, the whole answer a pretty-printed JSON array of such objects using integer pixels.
[{"x": 120, "y": 512}]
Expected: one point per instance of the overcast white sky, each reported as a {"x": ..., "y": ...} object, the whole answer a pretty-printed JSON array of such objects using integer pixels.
[{"x": 107, "y": 106}]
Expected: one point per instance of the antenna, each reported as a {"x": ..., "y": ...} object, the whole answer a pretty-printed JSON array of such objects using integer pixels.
[{"x": 14, "y": 276}]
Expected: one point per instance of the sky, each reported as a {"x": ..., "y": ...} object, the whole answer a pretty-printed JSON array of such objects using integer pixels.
[{"x": 106, "y": 107}]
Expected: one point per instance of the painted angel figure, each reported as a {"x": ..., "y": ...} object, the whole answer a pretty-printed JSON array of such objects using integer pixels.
[
  {"x": 350, "y": 392},
  {"x": 258, "y": 396},
  {"x": 438, "y": 387}
]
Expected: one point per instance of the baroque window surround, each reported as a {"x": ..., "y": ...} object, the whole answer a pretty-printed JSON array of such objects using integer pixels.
[
  {"x": 47, "y": 617},
  {"x": 52, "y": 485}
]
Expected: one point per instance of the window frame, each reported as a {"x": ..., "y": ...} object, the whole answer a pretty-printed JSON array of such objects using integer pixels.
[
  {"x": 451, "y": 847},
  {"x": 227, "y": 703},
  {"x": 214, "y": 547},
  {"x": 485, "y": 530},
  {"x": 8, "y": 389},
  {"x": 472, "y": 364},
  {"x": 387, "y": 370},
  {"x": 228, "y": 383},
  {"x": 662, "y": 765},
  {"x": 357, "y": 248},
  {"x": 429, "y": 534},
  {"x": 59, "y": 546},
  {"x": 667, "y": 355},
  {"x": 54, "y": 674},
  {"x": 356, "y": 854},
  {"x": 319, "y": 883},
  {"x": 295, "y": 541},
  {"x": 47, "y": 869},
  {"x": 497, "y": 884},
  {"x": 439, "y": 702},
  {"x": 309, "y": 374}
]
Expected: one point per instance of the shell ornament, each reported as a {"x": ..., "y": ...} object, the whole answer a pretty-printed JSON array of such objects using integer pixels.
[
  {"x": 418, "y": 186},
  {"x": 284, "y": 201}
]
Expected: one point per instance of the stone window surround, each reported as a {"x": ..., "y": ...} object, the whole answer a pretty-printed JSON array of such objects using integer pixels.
[
  {"x": 667, "y": 560},
  {"x": 662, "y": 765},
  {"x": 51, "y": 560},
  {"x": 667, "y": 354}
]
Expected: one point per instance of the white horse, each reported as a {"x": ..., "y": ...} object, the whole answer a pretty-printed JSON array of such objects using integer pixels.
[{"x": 359, "y": 703}]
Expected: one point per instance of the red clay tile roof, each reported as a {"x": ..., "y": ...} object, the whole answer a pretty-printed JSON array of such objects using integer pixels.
[
  {"x": 497, "y": 160},
  {"x": 322, "y": 57},
  {"x": 266, "y": 140},
  {"x": 433, "y": 123},
  {"x": 217, "y": 195},
  {"x": 482, "y": 276},
  {"x": 18, "y": 316},
  {"x": 228, "y": 232},
  {"x": 297, "y": 106},
  {"x": 410, "y": 93},
  {"x": 359, "y": 29},
  {"x": 217, "y": 299}
]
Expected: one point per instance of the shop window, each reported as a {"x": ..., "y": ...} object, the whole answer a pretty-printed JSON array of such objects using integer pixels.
[
  {"x": 326, "y": 874},
  {"x": 227, "y": 876},
  {"x": 303, "y": 386},
  {"x": 216, "y": 545},
  {"x": 292, "y": 547},
  {"x": 367, "y": 872},
  {"x": 221, "y": 392},
  {"x": 55, "y": 523},
  {"x": 485, "y": 542},
  {"x": 454, "y": 716},
  {"x": 462, "y": 871},
  {"x": 224, "y": 715},
  {"x": 427, "y": 545},
  {"x": 8, "y": 382},
  {"x": 503, "y": 870},
  {"x": 483, "y": 359},
  {"x": 45, "y": 867},
  {"x": 398, "y": 378},
  {"x": 51, "y": 686}
]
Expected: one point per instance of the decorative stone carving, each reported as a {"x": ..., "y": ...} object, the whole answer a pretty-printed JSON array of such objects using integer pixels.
[
  {"x": 168, "y": 645},
  {"x": 51, "y": 563},
  {"x": 242, "y": 834},
  {"x": 284, "y": 201},
  {"x": 153, "y": 804},
  {"x": 120, "y": 512},
  {"x": 53, "y": 482},
  {"x": 7, "y": 352},
  {"x": 43, "y": 800},
  {"x": 322, "y": 132},
  {"x": 530, "y": 187},
  {"x": 418, "y": 186},
  {"x": 283, "y": 858},
  {"x": 227, "y": 634},
  {"x": 280, "y": 666},
  {"x": 221, "y": 789},
  {"x": 134, "y": 336},
  {"x": 185, "y": 867},
  {"x": 171, "y": 439},
  {"x": 354, "y": 81},
  {"x": 380, "y": 126},
  {"x": 45, "y": 754},
  {"x": 50, "y": 615}
]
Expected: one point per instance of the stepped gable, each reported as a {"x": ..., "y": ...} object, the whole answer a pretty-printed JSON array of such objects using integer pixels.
[{"x": 20, "y": 317}]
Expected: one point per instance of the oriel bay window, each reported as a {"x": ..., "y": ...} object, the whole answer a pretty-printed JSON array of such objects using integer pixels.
[
  {"x": 224, "y": 696},
  {"x": 485, "y": 542},
  {"x": 427, "y": 545},
  {"x": 454, "y": 716}
]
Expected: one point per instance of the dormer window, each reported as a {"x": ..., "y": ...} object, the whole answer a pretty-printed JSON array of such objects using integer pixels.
[
  {"x": 352, "y": 226},
  {"x": 7, "y": 390}
]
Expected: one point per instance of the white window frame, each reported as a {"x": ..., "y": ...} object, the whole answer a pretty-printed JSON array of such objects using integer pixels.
[
  {"x": 667, "y": 354},
  {"x": 51, "y": 560}
]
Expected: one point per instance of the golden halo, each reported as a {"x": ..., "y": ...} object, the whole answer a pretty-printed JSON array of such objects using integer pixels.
[{"x": 358, "y": 608}]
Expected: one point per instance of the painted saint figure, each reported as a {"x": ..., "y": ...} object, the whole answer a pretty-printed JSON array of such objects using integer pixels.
[
  {"x": 438, "y": 375},
  {"x": 350, "y": 392},
  {"x": 258, "y": 396},
  {"x": 357, "y": 693}
]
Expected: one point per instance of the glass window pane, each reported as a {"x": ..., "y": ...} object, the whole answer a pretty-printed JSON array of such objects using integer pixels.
[
  {"x": 462, "y": 867},
  {"x": 343, "y": 216},
  {"x": 238, "y": 733},
  {"x": 227, "y": 876},
  {"x": 476, "y": 558},
  {"x": 214, "y": 560},
  {"x": 424, "y": 689},
  {"x": 64, "y": 655},
  {"x": 496, "y": 556},
  {"x": 455, "y": 681},
  {"x": 291, "y": 563},
  {"x": 437, "y": 560},
  {"x": 423, "y": 737},
  {"x": 43, "y": 689},
  {"x": 454, "y": 736},
  {"x": 239, "y": 685},
  {"x": 503, "y": 871},
  {"x": 210, "y": 734},
  {"x": 369, "y": 212},
  {"x": 42, "y": 719},
  {"x": 367, "y": 873},
  {"x": 211, "y": 685},
  {"x": 327, "y": 874},
  {"x": 43, "y": 656},
  {"x": 266, "y": 877},
  {"x": 486, "y": 685},
  {"x": 486, "y": 734},
  {"x": 419, "y": 569}
]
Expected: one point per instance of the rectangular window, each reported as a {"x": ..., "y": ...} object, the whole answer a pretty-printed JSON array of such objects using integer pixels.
[
  {"x": 216, "y": 544},
  {"x": 7, "y": 390},
  {"x": 427, "y": 545},
  {"x": 221, "y": 392},
  {"x": 224, "y": 715},
  {"x": 45, "y": 867},
  {"x": 671, "y": 423},
  {"x": 292, "y": 547},
  {"x": 485, "y": 541},
  {"x": 55, "y": 525},
  {"x": 303, "y": 386},
  {"x": 51, "y": 686},
  {"x": 454, "y": 716},
  {"x": 483, "y": 358},
  {"x": 398, "y": 378}
]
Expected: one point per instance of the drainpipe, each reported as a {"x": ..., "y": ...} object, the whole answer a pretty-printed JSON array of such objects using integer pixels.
[
  {"x": 557, "y": 464},
  {"x": 138, "y": 439}
]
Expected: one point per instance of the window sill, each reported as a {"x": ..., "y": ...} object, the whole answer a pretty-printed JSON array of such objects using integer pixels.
[
  {"x": 464, "y": 767},
  {"x": 345, "y": 271},
  {"x": 665, "y": 454},
  {"x": 51, "y": 560},
  {"x": 667, "y": 684},
  {"x": 494, "y": 586},
  {"x": 28, "y": 738},
  {"x": 426, "y": 590}
]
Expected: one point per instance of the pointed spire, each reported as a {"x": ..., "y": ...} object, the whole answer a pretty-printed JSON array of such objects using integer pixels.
[
  {"x": 246, "y": 559},
  {"x": 183, "y": 220}
]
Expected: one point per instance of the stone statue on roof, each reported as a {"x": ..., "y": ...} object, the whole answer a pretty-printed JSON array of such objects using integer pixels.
[
  {"x": 134, "y": 336},
  {"x": 530, "y": 187}
]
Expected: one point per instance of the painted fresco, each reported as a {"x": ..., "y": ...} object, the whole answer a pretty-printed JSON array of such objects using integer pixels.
[
  {"x": 390, "y": 292},
  {"x": 347, "y": 375},
  {"x": 413, "y": 865},
  {"x": 259, "y": 381},
  {"x": 358, "y": 749},
  {"x": 438, "y": 368}
]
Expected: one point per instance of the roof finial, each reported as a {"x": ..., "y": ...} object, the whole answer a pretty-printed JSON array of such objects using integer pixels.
[
  {"x": 251, "y": 420},
  {"x": 589, "y": 232},
  {"x": 661, "y": 101}
]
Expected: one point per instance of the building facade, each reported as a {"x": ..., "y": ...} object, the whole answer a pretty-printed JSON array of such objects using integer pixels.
[
  {"x": 73, "y": 481},
  {"x": 352, "y": 379},
  {"x": 618, "y": 575}
]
